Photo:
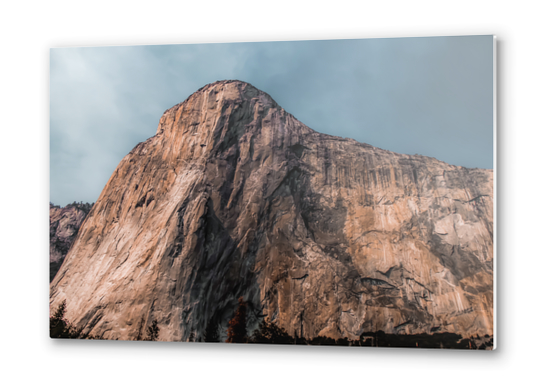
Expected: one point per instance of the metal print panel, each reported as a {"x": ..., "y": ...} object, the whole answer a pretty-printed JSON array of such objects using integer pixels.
[{"x": 310, "y": 192}]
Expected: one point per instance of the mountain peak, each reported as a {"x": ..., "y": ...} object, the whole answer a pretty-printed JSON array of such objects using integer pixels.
[
  {"x": 224, "y": 82},
  {"x": 221, "y": 106},
  {"x": 235, "y": 90}
]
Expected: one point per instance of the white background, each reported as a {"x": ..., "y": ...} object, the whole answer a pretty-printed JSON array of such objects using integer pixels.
[{"x": 29, "y": 29}]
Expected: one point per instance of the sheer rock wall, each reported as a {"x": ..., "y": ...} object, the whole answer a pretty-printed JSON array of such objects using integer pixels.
[{"x": 323, "y": 235}]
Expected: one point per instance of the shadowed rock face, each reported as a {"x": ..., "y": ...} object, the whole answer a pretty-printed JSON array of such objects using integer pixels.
[
  {"x": 63, "y": 226},
  {"x": 325, "y": 236}
]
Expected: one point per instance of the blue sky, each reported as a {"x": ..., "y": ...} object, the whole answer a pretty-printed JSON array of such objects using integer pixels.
[{"x": 431, "y": 96}]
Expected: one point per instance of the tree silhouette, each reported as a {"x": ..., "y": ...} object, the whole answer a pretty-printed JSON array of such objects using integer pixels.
[
  {"x": 270, "y": 333},
  {"x": 237, "y": 330},
  {"x": 153, "y": 331},
  {"x": 60, "y": 327},
  {"x": 212, "y": 334}
]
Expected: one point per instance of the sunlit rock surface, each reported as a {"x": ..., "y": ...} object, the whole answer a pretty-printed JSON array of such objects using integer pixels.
[{"x": 323, "y": 235}]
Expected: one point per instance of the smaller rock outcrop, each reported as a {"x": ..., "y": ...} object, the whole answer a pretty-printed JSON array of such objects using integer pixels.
[{"x": 64, "y": 223}]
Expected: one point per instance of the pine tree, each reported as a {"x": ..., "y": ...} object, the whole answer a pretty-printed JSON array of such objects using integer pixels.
[
  {"x": 153, "y": 331},
  {"x": 212, "y": 334},
  {"x": 237, "y": 330},
  {"x": 58, "y": 325}
]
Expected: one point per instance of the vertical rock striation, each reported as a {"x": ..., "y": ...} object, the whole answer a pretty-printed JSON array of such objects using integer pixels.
[{"x": 322, "y": 235}]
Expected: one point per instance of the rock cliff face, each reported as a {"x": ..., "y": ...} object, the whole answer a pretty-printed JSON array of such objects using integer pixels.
[
  {"x": 63, "y": 226},
  {"x": 322, "y": 235}
]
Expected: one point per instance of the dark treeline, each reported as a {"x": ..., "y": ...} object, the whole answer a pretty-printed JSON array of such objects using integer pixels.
[
  {"x": 270, "y": 333},
  {"x": 273, "y": 335}
]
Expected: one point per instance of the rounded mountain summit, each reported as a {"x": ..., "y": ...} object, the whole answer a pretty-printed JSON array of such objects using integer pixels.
[{"x": 322, "y": 236}]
